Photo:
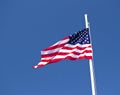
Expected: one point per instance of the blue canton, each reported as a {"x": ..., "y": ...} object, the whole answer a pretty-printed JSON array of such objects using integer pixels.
[{"x": 81, "y": 37}]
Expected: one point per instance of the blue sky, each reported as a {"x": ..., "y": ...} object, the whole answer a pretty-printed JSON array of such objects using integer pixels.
[{"x": 28, "y": 26}]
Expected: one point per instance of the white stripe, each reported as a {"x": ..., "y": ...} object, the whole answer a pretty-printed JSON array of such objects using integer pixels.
[
  {"x": 42, "y": 63},
  {"x": 79, "y": 45},
  {"x": 36, "y": 66}
]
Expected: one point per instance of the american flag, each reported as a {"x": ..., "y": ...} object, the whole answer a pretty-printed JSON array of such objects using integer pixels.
[{"x": 73, "y": 47}]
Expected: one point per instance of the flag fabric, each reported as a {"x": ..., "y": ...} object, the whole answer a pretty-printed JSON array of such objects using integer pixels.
[{"x": 73, "y": 47}]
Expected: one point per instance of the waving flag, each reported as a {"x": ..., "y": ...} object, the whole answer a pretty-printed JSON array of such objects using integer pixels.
[{"x": 73, "y": 47}]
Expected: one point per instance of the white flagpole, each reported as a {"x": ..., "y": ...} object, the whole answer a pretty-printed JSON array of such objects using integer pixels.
[{"x": 93, "y": 87}]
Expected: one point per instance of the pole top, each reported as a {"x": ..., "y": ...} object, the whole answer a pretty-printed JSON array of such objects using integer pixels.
[
  {"x": 85, "y": 14},
  {"x": 86, "y": 21}
]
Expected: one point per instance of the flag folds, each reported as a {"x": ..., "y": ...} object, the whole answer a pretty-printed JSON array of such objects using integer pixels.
[{"x": 73, "y": 47}]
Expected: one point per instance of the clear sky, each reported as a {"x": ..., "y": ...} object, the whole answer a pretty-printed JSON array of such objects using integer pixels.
[{"x": 28, "y": 26}]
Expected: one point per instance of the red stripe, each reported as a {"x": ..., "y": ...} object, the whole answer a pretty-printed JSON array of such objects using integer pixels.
[
  {"x": 81, "y": 57},
  {"x": 78, "y": 53},
  {"x": 82, "y": 48}
]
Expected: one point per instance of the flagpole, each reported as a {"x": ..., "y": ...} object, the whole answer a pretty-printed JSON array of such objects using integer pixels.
[{"x": 93, "y": 87}]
